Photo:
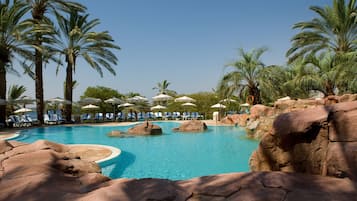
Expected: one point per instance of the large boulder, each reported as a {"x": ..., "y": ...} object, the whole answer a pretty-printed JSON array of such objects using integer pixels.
[
  {"x": 347, "y": 98},
  {"x": 321, "y": 140},
  {"x": 146, "y": 128},
  {"x": 44, "y": 170},
  {"x": 236, "y": 119},
  {"x": 258, "y": 111},
  {"x": 192, "y": 126}
]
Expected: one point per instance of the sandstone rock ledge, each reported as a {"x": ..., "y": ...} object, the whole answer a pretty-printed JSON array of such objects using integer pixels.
[
  {"x": 47, "y": 171},
  {"x": 146, "y": 128},
  {"x": 192, "y": 126},
  {"x": 322, "y": 141}
]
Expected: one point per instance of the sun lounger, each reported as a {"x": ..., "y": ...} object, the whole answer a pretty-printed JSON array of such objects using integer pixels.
[
  {"x": 109, "y": 116},
  {"x": 48, "y": 120},
  {"x": 141, "y": 116},
  {"x": 186, "y": 116},
  {"x": 13, "y": 121},
  {"x": 176, "y": 115},
  {"x": 158, "y": 115},
  {"x": 121, "y": 116},
  {"x": 150, "y": 116},
  {"x": 25, "y": 121},
  {"x": 167, "y": 115}
]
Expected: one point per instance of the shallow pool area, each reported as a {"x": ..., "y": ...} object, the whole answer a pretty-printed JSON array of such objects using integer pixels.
[{"x": 221, "y": 149}]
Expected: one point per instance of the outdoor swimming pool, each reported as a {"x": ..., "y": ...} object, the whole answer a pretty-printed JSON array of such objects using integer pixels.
[{"x": 174, "y": 156}]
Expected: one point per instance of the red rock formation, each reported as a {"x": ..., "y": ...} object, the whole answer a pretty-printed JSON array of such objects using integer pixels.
[
  {"x": 321, "y": 140},
  {"x": 146, "y": 128},
  {"x": 192, "y": 126}
]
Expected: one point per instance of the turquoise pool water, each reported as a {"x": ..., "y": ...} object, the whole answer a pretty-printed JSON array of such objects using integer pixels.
[{"x": 175, "y": 156}]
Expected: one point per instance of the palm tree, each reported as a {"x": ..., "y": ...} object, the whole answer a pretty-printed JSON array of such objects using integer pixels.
[
  {"x": 348, "y": 68},
  {"x": 77, "y": 39},
  {"x": 16, "y": 92},
  {"x": 246, "y": 74},
  {"x": 334, "y": 30},
  {"x": 162, "y": 87},
  {"x": 277, "y": 82},
  {"x": 11, "y": 43},
  {"x": 321, "y": 73},
  {"x": 74, "y": 85},
  {"x": 39, "y": 9}
]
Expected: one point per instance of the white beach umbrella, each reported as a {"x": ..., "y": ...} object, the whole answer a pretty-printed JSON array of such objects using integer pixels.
[
  {"x": 90, "y": 106},
  {"x": 125, "y": 105},
  {"x": 58, "y": 100},
  {"x": 113, "y": 101},
  {"x": 137, "y": 99},
  {"x": 162, "y": 97},
  {"x": 23, "y": 110},
  {"x": 228, "y": 100},
  {"x": 158, "y": 107},
  {"x": 218, "y": 105},
  {"x": 89, "y": 100},
  {"x": 185, "y": 99},
  {"x": 25, "y": 100},
  {"x": 245, "y": 105},
  {"x": 189, "y": 104}
]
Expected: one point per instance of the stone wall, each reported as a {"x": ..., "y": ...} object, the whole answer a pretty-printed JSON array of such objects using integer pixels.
[{"x": 320, "y": 140}]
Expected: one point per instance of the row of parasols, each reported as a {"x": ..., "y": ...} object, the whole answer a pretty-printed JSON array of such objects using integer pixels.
[
  {"x": 90, "y": 103},
  {"x": 188, "y": 101}
]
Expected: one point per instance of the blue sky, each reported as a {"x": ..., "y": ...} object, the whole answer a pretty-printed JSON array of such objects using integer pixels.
[{"x": 186, "y": 42}]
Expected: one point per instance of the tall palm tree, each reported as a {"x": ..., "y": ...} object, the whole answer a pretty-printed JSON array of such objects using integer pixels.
[
  {"x": 246, "y": 74},
  {"x": 162, "y": 87},
  {"x": 39, "y": 8},
  {"x": 321, "y": 73},
  {"x": 74, "y": 85},
  {"x": 335, "y": 29},
  {"x": 11, "y": 43},
  {"x": 78, "y": 40}
]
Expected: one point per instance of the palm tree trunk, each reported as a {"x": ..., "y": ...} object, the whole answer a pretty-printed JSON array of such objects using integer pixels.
[
  {"x": 2, "y": 92},
  {"x": 39, "y": 86},
  {"x": 255, "y": 93},
  {"x": 69, "y": 91},
  {"x": 329, "y": 89}
]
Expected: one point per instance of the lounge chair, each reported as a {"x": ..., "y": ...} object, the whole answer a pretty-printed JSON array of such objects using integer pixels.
[
  {"x": 121, "y": 116},
  {"x": 131, "y": 116},
  {"x": 13, "y": 121},
  {"x": 167, "y": 115},
  {"x": 48, "y": 120},
  {"x": 98, "y": 117},
  {"x": 109, "y": 116},
  {"x": 186, "y": 116},
  {"x": 176, "y": 115},
  {"x": 141, "y": 116},
  {"x": 25, "y": 121},
  {"x": 150, "y": 116},
  {"x": 158, "y": 115}
]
